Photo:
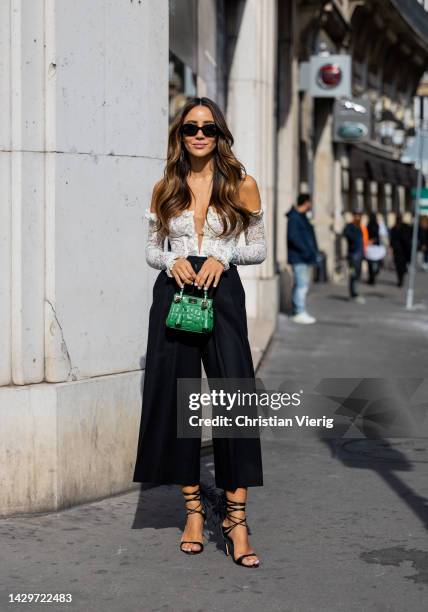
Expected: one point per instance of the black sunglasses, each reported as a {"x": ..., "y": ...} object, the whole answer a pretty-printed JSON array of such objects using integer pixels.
[{"x": 209, "y": 130}]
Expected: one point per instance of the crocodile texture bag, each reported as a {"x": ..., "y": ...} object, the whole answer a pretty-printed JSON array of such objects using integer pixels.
[{"x": 191, "y": 313}]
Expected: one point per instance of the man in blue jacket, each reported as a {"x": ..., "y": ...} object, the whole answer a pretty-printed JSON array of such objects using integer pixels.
[
  {"x": 354, "y": 235},
  {"x": 302, "y": 253}
]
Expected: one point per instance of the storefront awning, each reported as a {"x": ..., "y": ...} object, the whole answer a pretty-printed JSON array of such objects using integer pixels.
[{"x": 367, "y": 165}]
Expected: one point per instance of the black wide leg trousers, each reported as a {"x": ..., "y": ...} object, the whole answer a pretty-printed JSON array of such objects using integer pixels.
[{"x": 162, "y": 457}]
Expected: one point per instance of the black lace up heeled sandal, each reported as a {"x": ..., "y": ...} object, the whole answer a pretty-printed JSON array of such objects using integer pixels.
[
  {"x": 191, "y": 497},
  {"x": 232, "y": 506}
]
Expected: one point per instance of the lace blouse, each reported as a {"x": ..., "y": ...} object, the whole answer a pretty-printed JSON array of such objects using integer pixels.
[{"x": 184, "y": 241}]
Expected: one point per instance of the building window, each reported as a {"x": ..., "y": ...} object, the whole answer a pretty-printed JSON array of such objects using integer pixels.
[
  {"x": 194, "y": 49},
  {"x": 183, "y": 53},
  {"x": 182, "y": 84}
]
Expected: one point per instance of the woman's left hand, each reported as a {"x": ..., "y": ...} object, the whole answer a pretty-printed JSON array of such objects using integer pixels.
[{"x": 210, "y": 273}]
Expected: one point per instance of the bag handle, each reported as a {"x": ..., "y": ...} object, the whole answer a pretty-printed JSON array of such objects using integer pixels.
[{"x": 180, "y": 296}]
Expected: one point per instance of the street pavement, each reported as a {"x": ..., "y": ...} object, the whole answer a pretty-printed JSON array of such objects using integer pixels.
[{"x": 339, "y": 527}]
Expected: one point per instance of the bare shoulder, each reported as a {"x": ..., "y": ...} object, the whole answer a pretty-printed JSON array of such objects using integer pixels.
[
  {"x": 248, "y": 184},
  {"x": 249, "y": 193},
  {"x": 156, "y": 189}
]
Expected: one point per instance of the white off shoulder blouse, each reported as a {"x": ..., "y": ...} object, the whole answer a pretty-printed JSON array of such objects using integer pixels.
[{"x": 184, "y": 241}]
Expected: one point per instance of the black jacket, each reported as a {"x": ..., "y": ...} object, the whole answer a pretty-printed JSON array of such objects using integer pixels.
[{"x": 401, "y": 242}]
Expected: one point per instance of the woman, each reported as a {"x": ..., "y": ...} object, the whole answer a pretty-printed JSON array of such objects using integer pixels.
[
  {"x": 203, "y": 203},
  {"x": 375, "y": 251},
  {"x": 401, "y": 244}
]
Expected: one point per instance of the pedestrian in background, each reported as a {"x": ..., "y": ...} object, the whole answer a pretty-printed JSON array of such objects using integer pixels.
[
  {"x": 423, "y": 241},
  {"x": 356, "y": 235},
  {"x": 375, "y": 250},
  {"x": 302, "y": 254},
  {"x": 401, "y": 244}
]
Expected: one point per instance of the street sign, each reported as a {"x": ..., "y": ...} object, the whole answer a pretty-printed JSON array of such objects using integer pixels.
[
  {"x": 330, "y": 76},
  {"x": 423, "y": 200},
  {"x": 351, "y": 120}
]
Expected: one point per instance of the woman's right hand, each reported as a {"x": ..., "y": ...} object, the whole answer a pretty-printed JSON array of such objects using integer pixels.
[{"x": 183, "y": 272}]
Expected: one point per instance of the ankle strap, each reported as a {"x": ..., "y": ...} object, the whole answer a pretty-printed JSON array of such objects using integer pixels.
[
  {"x": 234, "y": 506},
  {"x": 193, "y": 496}
]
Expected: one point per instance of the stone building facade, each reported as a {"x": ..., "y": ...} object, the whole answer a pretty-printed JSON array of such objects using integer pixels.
[
  {"x": 88, "y": 91},
  {"x": 388, "y": 43}
]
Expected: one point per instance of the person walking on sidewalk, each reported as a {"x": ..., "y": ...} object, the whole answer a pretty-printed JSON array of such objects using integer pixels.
[
  {"x": 423, "y": 241},
  {"x": 357, "y": 237},
  {"x": 401, "y": 245},
  {"x": 375, "y": 251},
  {"x": 204, "y": 201},
  {"x": 302, "y": 254}
]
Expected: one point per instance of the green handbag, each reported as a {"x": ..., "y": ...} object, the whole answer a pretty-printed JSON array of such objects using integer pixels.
[{"x": 191, "y": 313}]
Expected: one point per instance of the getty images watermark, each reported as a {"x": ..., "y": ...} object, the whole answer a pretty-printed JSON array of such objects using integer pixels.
[{"x": 328, "y": 408}]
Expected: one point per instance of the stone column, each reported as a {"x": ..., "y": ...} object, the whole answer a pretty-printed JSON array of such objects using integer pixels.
[
  {"x": 84, "y": 88},
  {"x": 324, "y": 183},
  {"x": 287, "y": 176},
  {"x": 250, "y": 115}
]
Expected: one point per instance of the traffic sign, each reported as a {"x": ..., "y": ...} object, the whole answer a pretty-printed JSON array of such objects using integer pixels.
[{"x": 423, "y": 199}]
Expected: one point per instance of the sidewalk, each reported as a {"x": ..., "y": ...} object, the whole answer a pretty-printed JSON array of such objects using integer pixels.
[{"x": 342, "y": 532}]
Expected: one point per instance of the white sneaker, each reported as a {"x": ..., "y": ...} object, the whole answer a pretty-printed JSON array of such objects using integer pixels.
[
  {"x": 304, "y": 318},
  {"x": 359, "y": 299}
]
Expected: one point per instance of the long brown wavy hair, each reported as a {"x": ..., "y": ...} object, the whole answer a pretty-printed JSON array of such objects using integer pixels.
[{"x": 173, "y": 194}]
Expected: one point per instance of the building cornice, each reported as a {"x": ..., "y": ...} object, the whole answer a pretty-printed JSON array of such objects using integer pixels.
[{"x": 416, "y": 17}]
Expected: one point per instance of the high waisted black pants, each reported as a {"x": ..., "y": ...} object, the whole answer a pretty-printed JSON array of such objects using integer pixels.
[{"x": 162, "y": 457}]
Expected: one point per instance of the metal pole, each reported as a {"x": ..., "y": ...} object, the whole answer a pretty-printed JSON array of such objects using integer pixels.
[{"x": 412, "y": 269}]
